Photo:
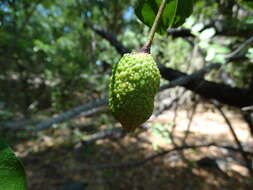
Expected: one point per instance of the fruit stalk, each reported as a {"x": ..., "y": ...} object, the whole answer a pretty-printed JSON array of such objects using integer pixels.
[{"x": 146, "y": 47}]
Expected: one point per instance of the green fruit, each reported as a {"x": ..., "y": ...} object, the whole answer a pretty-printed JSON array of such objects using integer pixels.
[{"x": 134, "y": 83}]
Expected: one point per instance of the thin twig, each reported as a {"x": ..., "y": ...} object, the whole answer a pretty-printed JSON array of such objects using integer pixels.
[
  {"x": 190, "y": 122},
  {"x": 103, "y": 135},
  {"x": 160, "y": 154},
  {"x": 70, "y": 114},
  {"x": 239, "y": 50},
  {"x": 155, "y": 25},
  {"x": 171, "y": 134},
  {"x": 167, "y": 107},
  {"x": 239, "y": 144}
]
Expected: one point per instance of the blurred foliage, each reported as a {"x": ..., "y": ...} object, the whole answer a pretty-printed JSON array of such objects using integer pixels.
[{"x": 51, "y": 60}]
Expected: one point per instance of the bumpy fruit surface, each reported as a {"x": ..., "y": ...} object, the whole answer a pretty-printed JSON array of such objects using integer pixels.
[{"x": 134, "y": 83}]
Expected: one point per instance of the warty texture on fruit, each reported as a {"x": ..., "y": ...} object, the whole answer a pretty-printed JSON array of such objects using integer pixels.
[{"x": 133, "y": 85}]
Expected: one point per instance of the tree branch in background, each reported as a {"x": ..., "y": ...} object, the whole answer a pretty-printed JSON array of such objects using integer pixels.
[
  {"x": 84, "y": 110},
  {"x": 116, "y": 132},
  {"x": 183, "y": 80},
  {"x": 179, "y": 32},
  {"x": 237, "y": 52},
  {"x": 87, "y": 108},
  {"x": 17, "y": 125},
  {"x": 238, "y": 97},
  {"x": 243, "y": 31},
  {"x": 228, "y": 28},
  {"x": 110, "y": 38}
]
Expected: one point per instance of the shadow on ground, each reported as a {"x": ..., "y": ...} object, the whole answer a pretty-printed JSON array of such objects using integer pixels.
[{"x": 56, "y": 165}]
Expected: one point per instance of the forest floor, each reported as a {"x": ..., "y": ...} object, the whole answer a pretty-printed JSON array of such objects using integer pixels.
[{"x": 56, "y": 157}]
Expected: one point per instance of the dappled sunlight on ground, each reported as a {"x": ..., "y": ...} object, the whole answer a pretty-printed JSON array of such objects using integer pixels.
[{"x": 55, "y": 158}]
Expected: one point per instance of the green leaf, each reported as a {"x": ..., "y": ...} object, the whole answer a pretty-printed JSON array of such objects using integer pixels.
[
  {"x": 174, "y": 14},
  {"x": 12, "y": 173}
]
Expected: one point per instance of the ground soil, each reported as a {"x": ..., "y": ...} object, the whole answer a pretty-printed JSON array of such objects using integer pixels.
[{"x": 57, "y": 157}]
